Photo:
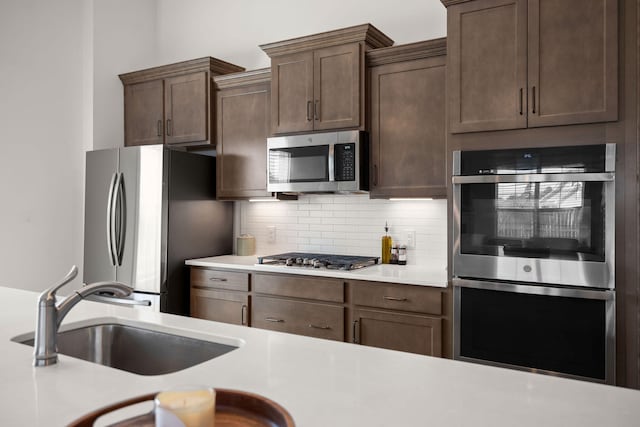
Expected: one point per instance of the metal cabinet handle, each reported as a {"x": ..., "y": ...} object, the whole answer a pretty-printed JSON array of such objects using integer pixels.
[
  {"x": 533, "y": 95},
  {"x": 355, "y": 329},
  {"x": 243, "y": 313},
  {"x": 217, "y": 279},
  {"x": 159, "y": 127},
  {"x": 206, "y": 288},
  {"x": 319, "y": 327},
  {"x": 375, "y": 175},
  {"x": 274, "y": 320},
  {"x": 308, "y": 111},
  {"x": 316, "y": 108},
  {"x": 521, "y": 99},
  {"x": 168, "y": 126},
  {"x": 388, "y": 298}
]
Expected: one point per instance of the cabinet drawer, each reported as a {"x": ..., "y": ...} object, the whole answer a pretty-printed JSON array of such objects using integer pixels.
[
  {"x": 219, "y": 279},
  {"x": 299, "y": 287},
  {"x": 398, "y": 297},
  {"x": 296, "y": 317},
  {"x": 220, "y": 306}
]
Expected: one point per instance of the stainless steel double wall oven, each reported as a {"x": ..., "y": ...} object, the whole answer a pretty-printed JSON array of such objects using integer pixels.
[{"x": 533, "y": 259}]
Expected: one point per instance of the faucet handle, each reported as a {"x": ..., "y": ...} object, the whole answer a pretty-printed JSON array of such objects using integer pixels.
[{"x": 50, "y": 294}]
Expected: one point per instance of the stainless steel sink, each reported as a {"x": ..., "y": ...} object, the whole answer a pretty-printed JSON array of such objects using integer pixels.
[{"x": 135, "y": 349}]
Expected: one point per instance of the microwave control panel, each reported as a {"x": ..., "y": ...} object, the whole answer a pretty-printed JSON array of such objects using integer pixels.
[{"x": 345, "y": 162}]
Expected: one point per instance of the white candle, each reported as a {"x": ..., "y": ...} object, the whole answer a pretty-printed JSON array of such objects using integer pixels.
[{"x": 188, "y": 407}]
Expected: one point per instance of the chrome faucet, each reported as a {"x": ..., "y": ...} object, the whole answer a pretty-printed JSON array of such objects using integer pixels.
[{"x": 50, "y": 314}]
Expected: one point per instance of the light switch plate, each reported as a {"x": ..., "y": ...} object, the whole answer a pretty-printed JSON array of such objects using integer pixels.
[
  {"x": 271, "y": 234},
  {"x": 411, "y": 239}
]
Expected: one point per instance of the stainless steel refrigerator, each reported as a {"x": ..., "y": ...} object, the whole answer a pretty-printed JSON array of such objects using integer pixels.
[{"x": 147, "y": 209}]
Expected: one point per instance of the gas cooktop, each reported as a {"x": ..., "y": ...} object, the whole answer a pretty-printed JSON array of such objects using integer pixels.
[{"x": 311, "y": 260}]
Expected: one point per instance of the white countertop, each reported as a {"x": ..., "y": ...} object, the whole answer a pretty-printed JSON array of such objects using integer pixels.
[
  {"x": 321, "y": 383},
  {"x": 392, "y": 273}
]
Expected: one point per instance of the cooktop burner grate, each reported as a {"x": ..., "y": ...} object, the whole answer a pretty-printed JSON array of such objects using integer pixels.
[{"x": 314, "y": 260}]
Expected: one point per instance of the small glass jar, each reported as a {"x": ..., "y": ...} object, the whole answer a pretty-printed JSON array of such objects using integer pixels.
[
  {"x": 394, "y": 255},
  {"x": 402, "y": 255}
]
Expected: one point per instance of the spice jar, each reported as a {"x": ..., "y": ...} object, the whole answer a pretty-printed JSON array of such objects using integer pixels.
[{"x": 402, "y": 255}]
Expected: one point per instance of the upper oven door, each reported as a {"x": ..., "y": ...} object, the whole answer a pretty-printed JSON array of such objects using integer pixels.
[{"x": 551, "y": 225}]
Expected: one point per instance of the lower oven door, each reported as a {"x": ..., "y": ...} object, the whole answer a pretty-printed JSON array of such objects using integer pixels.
[{"x": 559, "y": 331}]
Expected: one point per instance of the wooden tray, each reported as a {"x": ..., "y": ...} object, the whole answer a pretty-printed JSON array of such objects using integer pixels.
[{"x": 233, "y": 409}]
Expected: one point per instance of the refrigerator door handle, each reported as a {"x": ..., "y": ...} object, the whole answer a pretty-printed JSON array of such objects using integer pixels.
[
  {"x": 122, "y": 217},
  {"x": 110, "y": 220}
]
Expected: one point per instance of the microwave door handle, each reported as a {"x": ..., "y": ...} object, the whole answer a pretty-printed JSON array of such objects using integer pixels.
[
  {"x": 331, "y": 158},
  {"x": 536, "y": 177}
]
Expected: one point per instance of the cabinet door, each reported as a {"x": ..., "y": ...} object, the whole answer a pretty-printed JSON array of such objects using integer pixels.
[
  {"x": 487, "y": 69},
  {"x": 403, "y": 332},
  {"x": 292, "y": 93},
  {"x": 241, "y": 143},
  {"x": 296, "y": 317},
  {"x": 143, "y": 113},
  {"x": 337, "y": 87},
  {"x": 408, "y": 128},
  {"x": 573, "y": 58},
  {"x": 220, "y": 306},
  {"x": 187, "y": 110}
]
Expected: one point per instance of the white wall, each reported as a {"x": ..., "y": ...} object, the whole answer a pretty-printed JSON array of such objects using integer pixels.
[
  {"x": 42, "y": 106},
  {"x": 233, "y": 30}
]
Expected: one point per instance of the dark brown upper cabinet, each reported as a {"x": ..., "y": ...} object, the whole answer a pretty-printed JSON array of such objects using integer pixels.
[
  {"x": 408, "y": 126},
  {"x": 172, "y": 104},
  {"x": 528, "y": 63},
  {"x": 318, "y": 81},
  {"x": 242, "y": 117}
]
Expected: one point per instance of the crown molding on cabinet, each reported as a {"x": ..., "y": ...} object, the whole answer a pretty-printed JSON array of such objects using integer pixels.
[
  {"x": 448, "y": 3},
  {"x": 367, "y": 33},
  {"x": 246, "y": 78},
  {"x": 407, "y": 52},
  {"x": 208, "y": 63}
]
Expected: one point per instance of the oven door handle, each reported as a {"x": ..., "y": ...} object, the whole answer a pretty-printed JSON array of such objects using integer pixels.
[
  {"x": 542, "y": 289},
  {"x": 535, "y": 177}
]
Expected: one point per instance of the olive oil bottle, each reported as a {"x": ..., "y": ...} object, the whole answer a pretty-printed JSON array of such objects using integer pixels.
[{"x": 386, "y": 245}]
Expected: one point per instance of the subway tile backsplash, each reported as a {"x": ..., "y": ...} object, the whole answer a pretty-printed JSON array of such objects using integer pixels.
[{"x": 346, "y": 224}]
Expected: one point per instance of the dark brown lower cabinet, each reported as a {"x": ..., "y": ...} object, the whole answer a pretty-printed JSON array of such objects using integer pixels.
[
  {"x": 397, "y": 331},
  {"x": 220, "y": 306},
  {"x": 298, "y": 317}
]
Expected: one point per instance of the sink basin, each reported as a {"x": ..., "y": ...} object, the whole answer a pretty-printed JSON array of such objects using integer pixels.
[{"x": 134, "y": 348}]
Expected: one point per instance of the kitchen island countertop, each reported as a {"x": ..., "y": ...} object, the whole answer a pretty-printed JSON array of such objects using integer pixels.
[
  {"x": 320, "y": 382},
  {"x": 435, "y": 276}
]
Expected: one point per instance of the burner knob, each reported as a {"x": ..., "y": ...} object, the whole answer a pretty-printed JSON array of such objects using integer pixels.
[
  {"x": 299, "y": 261},
  {"x": 289, "y": 262},
  {"x": 307, "y": 262},
  {"x": 317, "y": 263}
]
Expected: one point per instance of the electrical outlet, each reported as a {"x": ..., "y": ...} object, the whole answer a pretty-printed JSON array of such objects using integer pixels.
[
  {"x": 411, "y": 238},
  {"x": 271, "y": 234}
]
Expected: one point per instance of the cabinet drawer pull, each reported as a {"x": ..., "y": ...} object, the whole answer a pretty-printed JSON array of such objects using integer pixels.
[
  {"x": 355, "y": 330},
  {"x": 159, "y": 127},
  {"x": 308, "y": 111},
  {"x": 319, "y": 327},
  {"x": 274, "y": 320},
  {"x": 316, "y": 108},
  {"x": 168, "y": 126},
  {"x": 243, "y": 312},
  {"x": 394, "y": 298},
  {"x": 217, "y": 279},
  {"x": 521, "y": 100},
  {"x": 206, "y": 288}
]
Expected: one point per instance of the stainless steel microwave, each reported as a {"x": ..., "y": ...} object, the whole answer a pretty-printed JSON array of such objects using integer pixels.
[{"x": 319, "y": 162}]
